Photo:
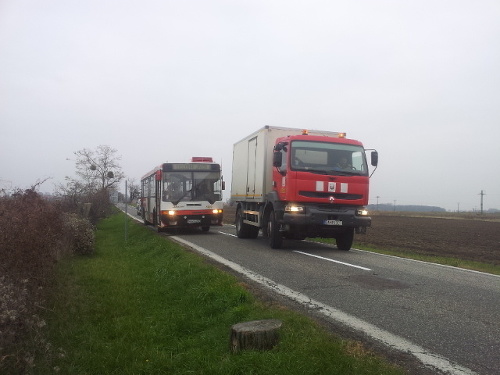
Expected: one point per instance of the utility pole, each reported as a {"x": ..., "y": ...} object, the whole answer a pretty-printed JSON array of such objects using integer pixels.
[
  {"x": 377, "y": 201},
  {"x": 482, "y": 194},
  {"x": 125, "y": 198}
]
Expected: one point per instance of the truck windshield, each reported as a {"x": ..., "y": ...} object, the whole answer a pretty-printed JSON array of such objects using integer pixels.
[
  {"x": 191, "y": 186},
  {"x": 328, "y": 158}
]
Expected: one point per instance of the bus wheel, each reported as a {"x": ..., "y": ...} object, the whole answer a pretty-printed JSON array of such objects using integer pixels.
[
  {"x": 275, "y": 237},
  {"x": 205, "y": 228},
  {"x": 344, "y": 240}
]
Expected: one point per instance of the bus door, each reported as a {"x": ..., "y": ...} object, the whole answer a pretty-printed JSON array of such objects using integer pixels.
[{"x": 157, "y": 190}]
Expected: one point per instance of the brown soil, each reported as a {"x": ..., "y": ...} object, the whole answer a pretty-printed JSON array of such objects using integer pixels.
[
  {"x": 466, "y": 236},
  {"x": 472, "y": 237}
]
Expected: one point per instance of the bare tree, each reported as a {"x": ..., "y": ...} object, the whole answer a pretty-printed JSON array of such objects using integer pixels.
[
  {"x": 134, "y": 189},
  {"x": 98, "y": 173},
  {"x": 99, "y": 168}
]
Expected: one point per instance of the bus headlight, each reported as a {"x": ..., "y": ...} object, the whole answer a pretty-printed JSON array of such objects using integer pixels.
[
  {"x": 171, "y": 213},
  {"x": 215, "y": 211}
]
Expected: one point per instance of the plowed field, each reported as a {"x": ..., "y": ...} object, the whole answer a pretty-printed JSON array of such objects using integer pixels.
[
  {"x": 475, "y": 238},
  {"x": 465, "y": 236}
]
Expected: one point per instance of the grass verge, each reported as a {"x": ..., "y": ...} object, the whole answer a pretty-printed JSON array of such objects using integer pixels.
[
  {"x": 147, "y": 306},
  {"x": 448, "y": 261}
]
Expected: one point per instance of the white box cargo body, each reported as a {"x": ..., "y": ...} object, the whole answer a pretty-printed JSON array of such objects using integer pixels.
[{"x": 253, "y": 162}]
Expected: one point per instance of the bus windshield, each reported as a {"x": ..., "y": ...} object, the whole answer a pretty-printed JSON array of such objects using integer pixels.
[
  {"x": 328, "y": 158},
  {"x": 191, "y": 186}
]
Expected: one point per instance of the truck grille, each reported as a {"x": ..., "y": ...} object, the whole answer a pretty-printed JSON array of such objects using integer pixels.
[{"x": 315, "y": 194}]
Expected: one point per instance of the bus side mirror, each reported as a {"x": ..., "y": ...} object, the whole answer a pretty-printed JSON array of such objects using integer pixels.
[
  {"x": 277, "y": 159},
  {"x": 223, "y": 185},
  {"x": 374, "y": 157}
]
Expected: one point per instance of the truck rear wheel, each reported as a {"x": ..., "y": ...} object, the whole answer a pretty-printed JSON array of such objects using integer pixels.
[
  {"x": 273, "y": 229},
  {"x": 244, "y": 230},
  {"x": 344, "y": 240}
]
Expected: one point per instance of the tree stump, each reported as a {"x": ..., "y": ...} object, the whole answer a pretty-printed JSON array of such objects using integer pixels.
[{"x": 257, "y": 335}]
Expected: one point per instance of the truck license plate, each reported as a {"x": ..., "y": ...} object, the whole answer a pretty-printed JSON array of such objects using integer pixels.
[{"x": 332, "y": 222}]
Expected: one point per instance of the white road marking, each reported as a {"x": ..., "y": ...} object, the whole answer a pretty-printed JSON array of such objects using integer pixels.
[
  {"x": 332, "y": 260},
  {"x": 393, "y": 341},
  {"x": 227, "y": 234}
]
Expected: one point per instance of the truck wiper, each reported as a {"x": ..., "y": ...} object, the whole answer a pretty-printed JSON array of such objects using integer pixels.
[
  {"x": 320, "y": 171},
  {"x": 329, "y": 172},
  {"x": 317, "y": 171}
]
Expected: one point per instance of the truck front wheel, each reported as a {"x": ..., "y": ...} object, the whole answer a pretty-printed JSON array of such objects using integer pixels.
[
  {"x": 244, "y": 230},
  {"x": 344, "y": 240},
  {"x": 273, "y": 230}
]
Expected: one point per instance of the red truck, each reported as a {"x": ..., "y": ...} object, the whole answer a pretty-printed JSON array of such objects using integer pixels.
[{"x": 295, "y": 183}]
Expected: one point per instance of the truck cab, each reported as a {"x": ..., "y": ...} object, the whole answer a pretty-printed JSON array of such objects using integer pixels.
[{"x": 320, "y": 188}]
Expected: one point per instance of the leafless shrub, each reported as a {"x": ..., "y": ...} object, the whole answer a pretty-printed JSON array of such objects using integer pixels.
[
  {"x": 34, "y": 234},
  {"x": 31, "y": 229},
  {"x": 76, "y": 197},
  {"x": 18, "y": 316},
  {"x": 80, "y": 234}
]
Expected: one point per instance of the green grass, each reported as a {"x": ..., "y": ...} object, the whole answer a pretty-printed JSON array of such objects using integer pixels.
[
  {"x": 448, "y": 261},
  {"x": 148, "y": 306}
]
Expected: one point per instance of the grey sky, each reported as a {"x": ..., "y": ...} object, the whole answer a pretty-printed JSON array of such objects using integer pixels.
[{"x": 167, "y": 80}]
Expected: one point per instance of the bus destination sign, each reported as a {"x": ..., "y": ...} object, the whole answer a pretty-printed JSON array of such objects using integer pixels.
[{"x": 178, "y": 167}]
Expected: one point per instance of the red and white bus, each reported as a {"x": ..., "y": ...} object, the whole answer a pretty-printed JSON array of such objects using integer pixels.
[{"x": 183, "y": 195}]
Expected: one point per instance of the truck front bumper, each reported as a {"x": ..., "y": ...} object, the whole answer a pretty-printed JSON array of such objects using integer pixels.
[{"x": 324, "y": 221}]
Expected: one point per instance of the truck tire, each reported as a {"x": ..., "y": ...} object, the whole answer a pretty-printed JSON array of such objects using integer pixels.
[
  {"x": 275, "y": 237},
  {"x": 244, "y": 230},
  {"x": 344, "y": 240}
]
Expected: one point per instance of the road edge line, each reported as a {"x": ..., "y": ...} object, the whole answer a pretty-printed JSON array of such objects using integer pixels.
[{"x": 386, "y": 338}]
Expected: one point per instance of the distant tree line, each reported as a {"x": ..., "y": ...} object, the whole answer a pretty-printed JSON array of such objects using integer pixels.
[
  {"x": 416, "y": 208},
  {"x": 406, "y": 208}
]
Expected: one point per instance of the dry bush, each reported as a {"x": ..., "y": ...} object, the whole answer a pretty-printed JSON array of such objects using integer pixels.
[
  {"x": 79, "y": 233},
  {"x": 100, "y": 206},
  {"x": 30, "y": 237},
  {"x": 93, "y": 205},
  {"x": 34, "y": 234},
  {"x": 18, "y": 318}
]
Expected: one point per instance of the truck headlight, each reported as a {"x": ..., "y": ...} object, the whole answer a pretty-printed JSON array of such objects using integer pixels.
[
  {"x": 362, "y": 212},
  {"x": 294, "y": 208}
]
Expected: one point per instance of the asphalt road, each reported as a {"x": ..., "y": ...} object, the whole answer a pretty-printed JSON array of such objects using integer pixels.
[{"x": 447, "y": 318}]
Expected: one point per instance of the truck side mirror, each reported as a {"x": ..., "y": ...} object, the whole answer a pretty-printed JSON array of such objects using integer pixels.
[
  {"x": 277, "y": 159},
  {"x": 374, "y": 157}
]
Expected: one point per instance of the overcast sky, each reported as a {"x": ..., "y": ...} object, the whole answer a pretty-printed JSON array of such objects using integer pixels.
[{"x": 159, "y": 80}]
